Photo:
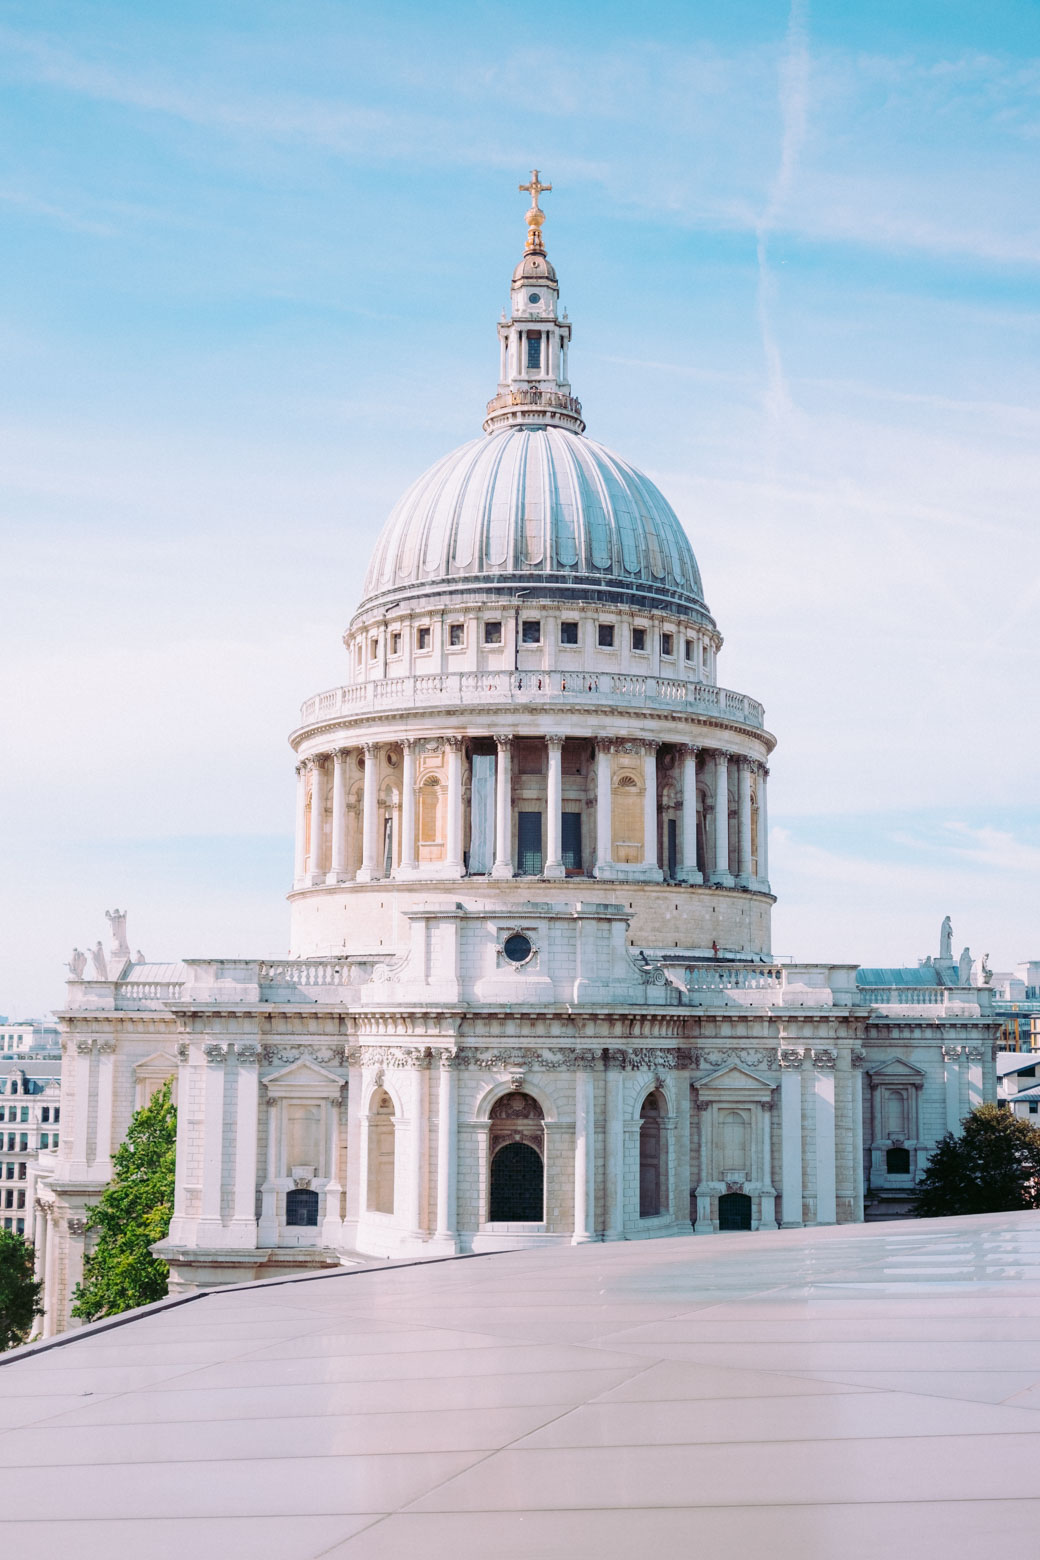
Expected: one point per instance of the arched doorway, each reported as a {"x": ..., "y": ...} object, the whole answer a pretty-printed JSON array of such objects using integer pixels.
[
  {"x": 381, "y": 1153},
  {"x": 734, "y": 1211},
  {"x": 301, "y": 1207},
  {"x": 517, "y": 1161},
  {"x": 652, "y": 1177}
]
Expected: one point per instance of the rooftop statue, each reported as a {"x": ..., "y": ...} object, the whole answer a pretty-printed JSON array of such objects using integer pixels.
[{"x": 946, "y": 939}]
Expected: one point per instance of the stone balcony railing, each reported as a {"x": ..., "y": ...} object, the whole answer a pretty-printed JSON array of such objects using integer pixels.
[{"x": 455, "y": 690}]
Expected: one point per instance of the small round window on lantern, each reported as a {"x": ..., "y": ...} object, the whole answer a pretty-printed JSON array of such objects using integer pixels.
[
  {"x": 534, "y": 297},
  {"x": 517, "y": 948}
]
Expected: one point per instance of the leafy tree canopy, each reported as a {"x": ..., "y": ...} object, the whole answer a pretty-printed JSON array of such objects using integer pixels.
[
  {"x": 993, "y": 1167},
  {"x": 19, "y": 1291},
  {"x": 134, "y": 1212}
]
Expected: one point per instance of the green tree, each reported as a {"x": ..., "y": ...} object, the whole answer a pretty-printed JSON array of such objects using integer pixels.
[
  {"x": 19, "y": 1290},
  {"x": 134, "y": 1212},
  {"x": 993, "y": 1167}
]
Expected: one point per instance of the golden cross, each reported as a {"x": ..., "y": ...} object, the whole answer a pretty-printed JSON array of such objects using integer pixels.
[{"x": 534, "y": 189}]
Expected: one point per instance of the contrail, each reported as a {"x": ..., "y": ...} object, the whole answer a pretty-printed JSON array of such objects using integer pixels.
[{"x": 794, "y": 108}]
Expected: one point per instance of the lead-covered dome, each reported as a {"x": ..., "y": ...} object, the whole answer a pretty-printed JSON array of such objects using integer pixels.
[{"x": 543, "y": 510}]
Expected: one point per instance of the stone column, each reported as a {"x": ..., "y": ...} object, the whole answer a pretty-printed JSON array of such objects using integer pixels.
[
  {"x": 763, "y": 827},
  {"x": 39, "y": 1242},
  {"x": 721, "y": 874},
  {"x": 338, "y": 869},
  {"x": 50, "y": 1277},
  {"x": 409, "y": 862},
  {"x": 185, "y": 1124},
  {"x": 744, "y": 823},
  {"x": 82, "y": 1109},
  {"x": 103, "y": 1135},
  {"x": 447, "y": 1153},
  {"x": 826, "y": 1181},
  {"x": 689, "y": 872},
  {"x": 615, "y": 1154},
  {"x": 952, "y": 1071},
  {"x": 247, "y": 1126},
  {"x": 975, "y": 1060},
  {"x": 791, "y": 1138},
  {"x": 858, "y": 1058},
  {"x": 768, "y": 1218},
  {"x": 332, "y": 1224},
  {"x": 503, "y": 866},
  {"x": 212, "y": 1142},
  {"x": 704, "y": 1224},
  {"x": 650, "y": 850},
  {"x": 584, "y": 1158},
  {"x": 453, "y": 846},
  {"x": 300, "y": 861},
  {"x": 368, "y": 870},
  {"x": 604, "y": 828},
  {"x": 554, "y": 867},
  {"x": 317, "y": 872},
  {"x": 267, "y": 1234}
]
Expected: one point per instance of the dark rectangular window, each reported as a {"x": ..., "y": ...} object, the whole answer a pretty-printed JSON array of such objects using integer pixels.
[
  {"x": 45, "y": 1113},
  {"x": 673, "y": 848},
  {"x": 422, "y": 639},
  {"x": 534, "y": 349},
  {"x": 691, "y": 650},
  {"x": 492, "y": 633},
  {"x": 395, "y": 644},
  {"x": 568, "y": 633},
  {"x": 529, "y": 843},
  {"x": 531, "y": 632},
  {"x": 571, "y": 838},
  {"x": 606, "y": 636},
  {"x": 21, "y": 1200},
  {"x": 639, "y": 639},
  {"x": 456, "y": 635},
  {"x": 57, "y": 1112},
  {"x": 24, "y": 1113},
  {"x": 667, "y": 644}
]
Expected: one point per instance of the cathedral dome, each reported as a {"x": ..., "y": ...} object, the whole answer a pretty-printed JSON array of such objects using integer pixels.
[{"x": 541, "y": 509}]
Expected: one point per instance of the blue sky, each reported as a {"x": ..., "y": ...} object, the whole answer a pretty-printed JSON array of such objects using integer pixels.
[{"x": 253, "y": 255}]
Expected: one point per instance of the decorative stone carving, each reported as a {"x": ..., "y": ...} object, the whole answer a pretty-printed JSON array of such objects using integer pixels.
[
  {"x": 789, "y": 1057},
  {"x": 183, "y": 1050},
  {"x": 248, "y": 1054},
  {"x": 951, "y": 1053},
  {"x": 76, "y": 1225},
  {"x": 825, "y": 1060},
  {"x": 859, "y": 1057},
  {"x": 214, "y": 1053},
  {"x": 84, "y": 1047}
]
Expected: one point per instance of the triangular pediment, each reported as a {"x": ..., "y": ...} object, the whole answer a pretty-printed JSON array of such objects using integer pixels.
[
  {"x": 159, "y": 1065},
  {"x": 895, "y": 1070},
  {"x": 733, "y": 1079},
  {"x": 302, "y": 1079}
]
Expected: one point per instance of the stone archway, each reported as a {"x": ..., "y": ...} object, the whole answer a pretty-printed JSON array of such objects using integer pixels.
[
  {"x": 516, "y": 1149},
  {"x": 734, "y": 1211}
]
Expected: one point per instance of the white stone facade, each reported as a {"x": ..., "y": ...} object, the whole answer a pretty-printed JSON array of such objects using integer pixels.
[{"x": 530, "y": 997}]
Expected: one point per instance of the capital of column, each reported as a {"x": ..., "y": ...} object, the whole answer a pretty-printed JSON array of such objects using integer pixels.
[
  {"x": 687, "y": 749},
  {"x": 825, "y": 1060},
  {"x": 504, "y": 744},
  {"x": 84, "y": 1047},
  {"x": 951, "y": 1053},
  {"x": 555, "y": 741},
  {"x": 790, "y": 1058},
  {"x": 215, "y": 1053},
  {"x": 369, "y": 750},
  {"x": 248, "y": 1054},
  {"x": 452, "y": 744},
  {"x": 106, "y": 1047}
]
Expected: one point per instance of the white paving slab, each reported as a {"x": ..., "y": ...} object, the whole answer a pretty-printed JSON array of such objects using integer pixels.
[{"x": 820, "y": 1393}]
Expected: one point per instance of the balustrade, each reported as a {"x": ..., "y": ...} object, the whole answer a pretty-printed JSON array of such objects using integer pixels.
[{"x": 451, "y": 689}]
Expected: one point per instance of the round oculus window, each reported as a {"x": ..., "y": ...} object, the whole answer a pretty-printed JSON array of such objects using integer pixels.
[
  {"x": 517, "y": 948},
  {"x": 534, "y": 297}
]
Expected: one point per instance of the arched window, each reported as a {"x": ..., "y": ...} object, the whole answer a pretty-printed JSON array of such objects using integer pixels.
[
  {"x": 381, "y": 1154},
  {"x": 653, "y": 1197},
  {"x": 735, "y": 1139},
  {"x": 517, "y": 1148},
  {"x": 628, "y": 820},
  {"x": 301, "y": 1207},
  {"x": 429, "y": 796}
]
